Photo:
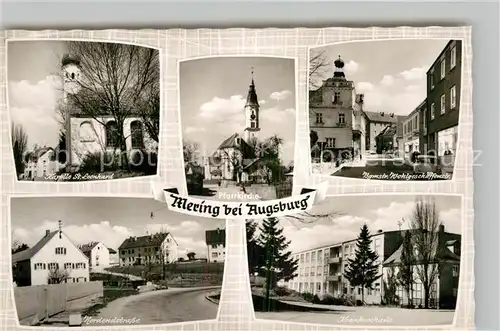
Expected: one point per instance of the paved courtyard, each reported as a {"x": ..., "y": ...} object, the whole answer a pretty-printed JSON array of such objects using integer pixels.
[{"x": 365, "y": 316}]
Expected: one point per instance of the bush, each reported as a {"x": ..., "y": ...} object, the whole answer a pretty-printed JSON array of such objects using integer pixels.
[
  {"x": 98, "y": 162},
  {"x": 143, "y": 161},
  {"x": 281, "y": 291},
  {"x": 308, "y": 296}
]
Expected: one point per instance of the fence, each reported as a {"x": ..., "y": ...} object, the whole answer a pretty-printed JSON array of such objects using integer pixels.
[{"x": 48, "y": 300}]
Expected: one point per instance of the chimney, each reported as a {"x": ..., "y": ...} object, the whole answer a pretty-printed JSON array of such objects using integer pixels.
[
  {"x": 47, "y": 232},
  {"x": 380, "y": 231},
  {"x": 441, "y": 228}
]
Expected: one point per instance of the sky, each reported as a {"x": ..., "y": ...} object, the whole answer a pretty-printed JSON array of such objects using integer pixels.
[
  {"x": 34, "y": 88},
  {"x": 213, "y": 93},
  {"x": 391, "y": 74},
  {"x": 379, "y": 212},
  {"x": 109, "y": 220}
]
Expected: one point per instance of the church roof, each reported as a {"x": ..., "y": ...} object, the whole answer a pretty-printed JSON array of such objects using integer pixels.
[
  {"x": 234, "y": 141},
  {"x": 252, "y": 99}
]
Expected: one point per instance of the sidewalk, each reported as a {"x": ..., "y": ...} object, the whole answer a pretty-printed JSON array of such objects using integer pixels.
[{"x": 328, "y": 168}]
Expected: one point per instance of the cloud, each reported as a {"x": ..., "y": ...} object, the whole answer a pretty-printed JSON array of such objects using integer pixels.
[
  {"x": 351, "y": 67},
  {"x": 387, "y": 80},
  {"x": 188, "y": 234},
  {"x": 262, "y": 102},
  {"x": 414, "y": 74},
  {"x": 278, "y": 96},
  {"x": 33, "y": 105},
  {"x": 220, "y": 107},
  {"x": 347, "y": 227},
  {"x": 364, "y": 87}
]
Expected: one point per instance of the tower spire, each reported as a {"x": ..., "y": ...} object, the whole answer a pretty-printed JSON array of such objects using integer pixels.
[{"x": 253, "y": 84}]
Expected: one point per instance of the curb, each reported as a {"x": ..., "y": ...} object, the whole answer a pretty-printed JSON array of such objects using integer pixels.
[{"x": 214, "y": 301}]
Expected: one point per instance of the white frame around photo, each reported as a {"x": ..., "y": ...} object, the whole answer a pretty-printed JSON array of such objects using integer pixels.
[
  {"x": 111, "y": 327},
  {"x": 161, "y": 115},
  {"x": 464, "y": 86},
  {"x": 464, "y": 295}
]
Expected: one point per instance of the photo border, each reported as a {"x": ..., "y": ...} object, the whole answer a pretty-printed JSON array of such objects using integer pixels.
[
  {"x": 461, "y": 115},
  {"x": 10, "y": 197},
  {"x": 466, "y": 259}
]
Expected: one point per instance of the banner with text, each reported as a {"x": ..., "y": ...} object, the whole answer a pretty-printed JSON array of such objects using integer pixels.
[{"x": 251, "y": 209}]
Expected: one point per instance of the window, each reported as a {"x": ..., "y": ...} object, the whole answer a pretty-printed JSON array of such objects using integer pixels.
[
  {"x": 433, "y": 111},
  {"x": 320, "y": 256},
  {"x": 330, "y": 142},
  {"x": 336, "y": 97},
  {"x": 424, "y": 118},
  {"x": 455, "y": 271},
  {"x": 453, "y": 97},
  {"x": 301, "y": 257},
  {"x": 214, "y": 245},
  {"x": 80, "y": 265},
  {"x": 341, "y": 118},
  {"x": 319, "y": 118},
  {"x": 431, "y": 77},
  {"x": 53, "y": 266},
  {"x": 39, "y": 266},
  {"x": 300, "y": 287},
  {"x": 60, "y": 250},
  {"x": 252, "y": 125},
  {"x": 443, "y": 104},
  {"x": 377, "y": 244},
  {"x": 214, "y": 254},
  {"x": 319, "y": 271},
  {"x": 443, "y": 68},
  {"x": 313, "y": 272},
  {"x": 313, "y": 256},
  {"x": 453, "y": 58},
  {"x": 318, "y": 287},
  {"x": 137, "y": 134},
  {"x": 307, "y": 257},
  {"x": 307, "y": 272},
  {"x": 326, "y": 270},
  {"x": 112, "y": 134},
  {"x": 86, "y": 132}
]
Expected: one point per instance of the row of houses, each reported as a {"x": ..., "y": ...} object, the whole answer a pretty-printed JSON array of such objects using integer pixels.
[
  {"x": 339, "y": 120},
  {"x": 56, "y": 253},
  {"x": 321, "y": 270}
]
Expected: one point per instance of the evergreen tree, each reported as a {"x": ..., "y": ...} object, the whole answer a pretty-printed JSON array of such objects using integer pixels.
[
  {"x": 255, "y": 252},
  {"x": 405, "y": 275},
  {"x": 362, "y": 270},
  {"x": 278, "y": 261}
]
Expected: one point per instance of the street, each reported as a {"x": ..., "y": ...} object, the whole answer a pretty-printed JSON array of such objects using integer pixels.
[
  {"x": 372, "y": 316},
  {"x": 156, "y": 307}
]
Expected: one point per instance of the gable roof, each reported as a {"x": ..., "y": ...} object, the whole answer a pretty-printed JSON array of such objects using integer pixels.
[
  {"x": 87, "y": 248},
  {"x": 381, "y": 117},
  {"x": 148, "y": 240},
  {"x": 234, "y": 141},
  {"x": 217, "y": 236},
  {"x": 29, "y": 253},
  {"x": 38, "y": 153},
  {"x": 444, "y": 253}
]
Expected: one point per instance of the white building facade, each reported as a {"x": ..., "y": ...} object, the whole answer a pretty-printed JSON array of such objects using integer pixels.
[
  {"x": 216, "y": 245},
  {"x": 54, "y": 253},
  {"x": 41, "y": 163}
]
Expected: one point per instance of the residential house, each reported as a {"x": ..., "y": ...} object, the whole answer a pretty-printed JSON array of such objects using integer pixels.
[
  {"x": 385, "y": 139},
  {"x": 321, "y": 270},
  {"x": 411, "y": 130},
  {"x": 444, "y": 288},
  {"x": 216, "y": 245},
  {"x": 98, "y": 254},
  {"x": 376, "y": 122},
  {"x": 96, "y": 134},
  {"x": 440, "y": 136},
  {"x": 41, "y": 163},
  {"x": 53, "y": 254},
  {"x": 331, "y": 116},
  {"x": 149, "y": 249}
]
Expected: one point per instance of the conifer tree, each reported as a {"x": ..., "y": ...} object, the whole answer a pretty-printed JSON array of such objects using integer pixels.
[
  {"x": 362, "y": 270},
  {"x": 405, "y": 274},
  {"x": 278, "y": 262}
]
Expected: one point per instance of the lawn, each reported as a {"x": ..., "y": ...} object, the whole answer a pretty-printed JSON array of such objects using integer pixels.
[
  {"x": 109, "y": 294},
  {"x": 173, "y": 268}
]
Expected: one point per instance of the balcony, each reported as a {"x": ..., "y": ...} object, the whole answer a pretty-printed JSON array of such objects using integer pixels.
[
  {"x": 341, "y": 125},
  {"x": 334, "y": 278},
  {"x": 334, "y": 259}
]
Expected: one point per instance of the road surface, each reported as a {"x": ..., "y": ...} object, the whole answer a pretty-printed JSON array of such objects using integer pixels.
[{"x": 157, "y": 307}]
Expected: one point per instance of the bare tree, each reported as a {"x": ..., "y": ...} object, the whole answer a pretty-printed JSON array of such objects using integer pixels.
[
  {"x": 163, "y": 252},
  {"x": 425, "y": 224},
  {"x": 118, "y": 81},
  {"x": 57, "y": 276},
  {"x": 318, "y": 65},
  {"x": 191, "y": 151},
  {"x": 19, "y": 146}
]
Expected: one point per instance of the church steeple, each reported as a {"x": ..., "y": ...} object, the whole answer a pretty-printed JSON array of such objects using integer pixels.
[
  {"x": 339, "y": 69},
  {"x": 252, "y": 112}
]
